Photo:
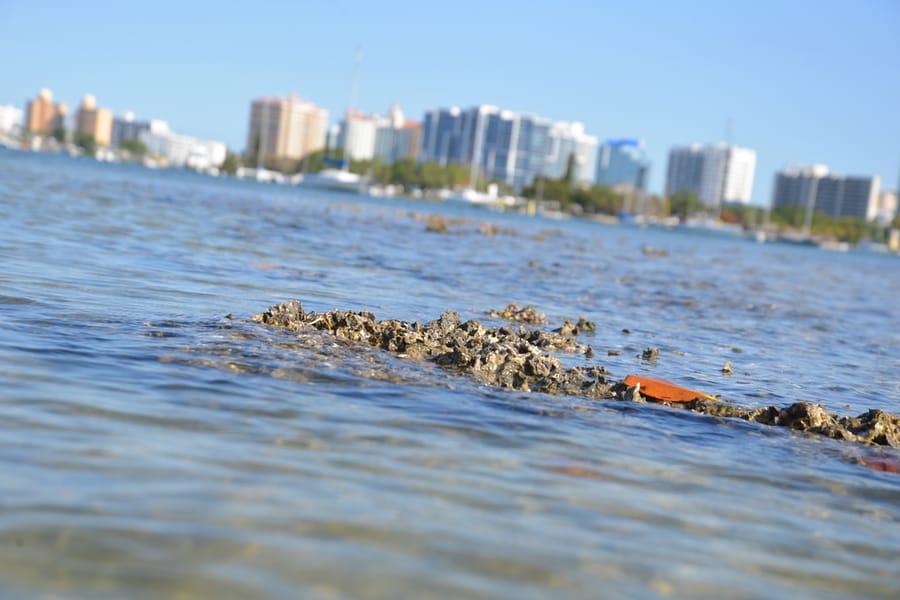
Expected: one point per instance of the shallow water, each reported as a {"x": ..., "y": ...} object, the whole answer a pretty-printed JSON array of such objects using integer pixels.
[{"x": 154, "y": 447}]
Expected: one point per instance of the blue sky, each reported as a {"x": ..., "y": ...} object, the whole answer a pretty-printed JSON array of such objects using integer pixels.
[{"x": 799, "y": 81}]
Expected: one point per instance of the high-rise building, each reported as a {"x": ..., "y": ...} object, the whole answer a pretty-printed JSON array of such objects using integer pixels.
[
  {"x": 126, "y": 128},
  {"x": 43, "y": 116},
  {"x": 438, "y": 128},
  {"x": 285, "y": 128},
  {"x": 513, "y": 148},
  {"x": 716, "y": 174},
  {"x": 488, "y": 142},
  {"x": 685, "y": 170},
  {"x": 505, "y": 146},
  {"x": 304, "y": 128},
  {"x": 815, "y": 188},
  {"x": 93, "y": 121},
  {"x": 356, "y": 135},
  {"x": 623, "y": 163},
  {"x": 453, "y": 136},
  {"x": 569, "y": 141},
  {"x": 397, "y": 138},
  {"x": 740, "y": 168},
  {"x": 501, "y": 145},
  {"x": 264, "y": 128}
]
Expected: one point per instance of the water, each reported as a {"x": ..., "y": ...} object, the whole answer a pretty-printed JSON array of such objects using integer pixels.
[{"x": 154, "y": 447}]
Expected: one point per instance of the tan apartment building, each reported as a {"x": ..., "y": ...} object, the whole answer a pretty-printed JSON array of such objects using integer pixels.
[
  {"x": 43, "y": 116},
  {"x": 285, "y": 128},
  {"x": 95, "y": 122}
]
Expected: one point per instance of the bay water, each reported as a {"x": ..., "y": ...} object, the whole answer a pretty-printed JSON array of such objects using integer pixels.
[{"x": 155, "y": 442}]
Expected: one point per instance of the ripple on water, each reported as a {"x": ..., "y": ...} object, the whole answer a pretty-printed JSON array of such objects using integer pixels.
[{"x": 154, "y": 448}]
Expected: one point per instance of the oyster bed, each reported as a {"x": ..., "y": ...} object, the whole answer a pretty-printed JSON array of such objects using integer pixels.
[{"x": 523, "y": 359}]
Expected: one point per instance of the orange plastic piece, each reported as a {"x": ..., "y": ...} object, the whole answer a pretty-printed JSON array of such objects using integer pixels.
[{"x": 664, "y": 390}]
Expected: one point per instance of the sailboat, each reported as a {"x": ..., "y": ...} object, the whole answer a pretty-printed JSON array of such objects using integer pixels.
[
  {"x": 339, "y": 176},
  {"x": 472, "y": 196},
  {"x": 335, "y": 179}
]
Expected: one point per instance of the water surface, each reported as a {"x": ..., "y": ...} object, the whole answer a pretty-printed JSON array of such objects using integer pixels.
[{"x": 156, "y": 443}]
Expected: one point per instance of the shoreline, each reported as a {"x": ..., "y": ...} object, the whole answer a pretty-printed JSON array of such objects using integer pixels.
[{"x": 708, "y": 227}]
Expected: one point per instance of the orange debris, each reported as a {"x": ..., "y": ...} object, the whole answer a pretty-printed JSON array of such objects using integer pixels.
[
  {"x": 663, "y": 390},
  {"x": 890, "y": 465}
]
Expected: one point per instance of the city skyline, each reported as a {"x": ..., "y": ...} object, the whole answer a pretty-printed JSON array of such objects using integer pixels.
[{"x": 695, "y": 73}]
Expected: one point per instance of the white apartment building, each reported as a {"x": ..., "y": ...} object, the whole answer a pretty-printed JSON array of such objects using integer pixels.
[
  {"x": 356, "y": 136},
  {"x": 740, "y": 168},
  {"x": 182, "y": 150},
  {"x": 396, "y": 138},
  {"x": 565, "y": 139},
  {"x": 716, "y": 173}
]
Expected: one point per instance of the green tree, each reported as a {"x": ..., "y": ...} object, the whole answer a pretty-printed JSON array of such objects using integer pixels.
[
  {"x": 313, "y": 162},
  {"x": 684, "y": 204},
  {"x": 360, "y": 167},
  {"x": 230, "y": 164},
  {"x": 86, "y": 142},
  {"x": 570, "y": 169},
  {"x": 403, "y": 172},
  {"x": 431, "y": 175},
  {"x": 380, "y": 172},
  {"x": 59, "y": 133},
  {"x": 845, "y": 229},
  {"x": 577, "y": 198},
  {"x": 604, "y": 199},
  {"x": 458, "y": 175},
  {"x": 134, "y": 146},
  {"x": 792, "y": 216}
]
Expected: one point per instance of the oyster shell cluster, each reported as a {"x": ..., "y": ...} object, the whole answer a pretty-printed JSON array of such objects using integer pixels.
[{"x": 525, "y": 359}]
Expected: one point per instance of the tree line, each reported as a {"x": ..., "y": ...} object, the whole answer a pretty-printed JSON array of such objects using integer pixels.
[
  {"x": 405, "y": 172},
  {"x": 844, "y": 229}
]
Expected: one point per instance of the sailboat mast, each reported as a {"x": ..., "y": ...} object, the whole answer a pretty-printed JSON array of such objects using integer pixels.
[
  {"x": 810, "y": 204},
  {"x": 354, "y": 92}
]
